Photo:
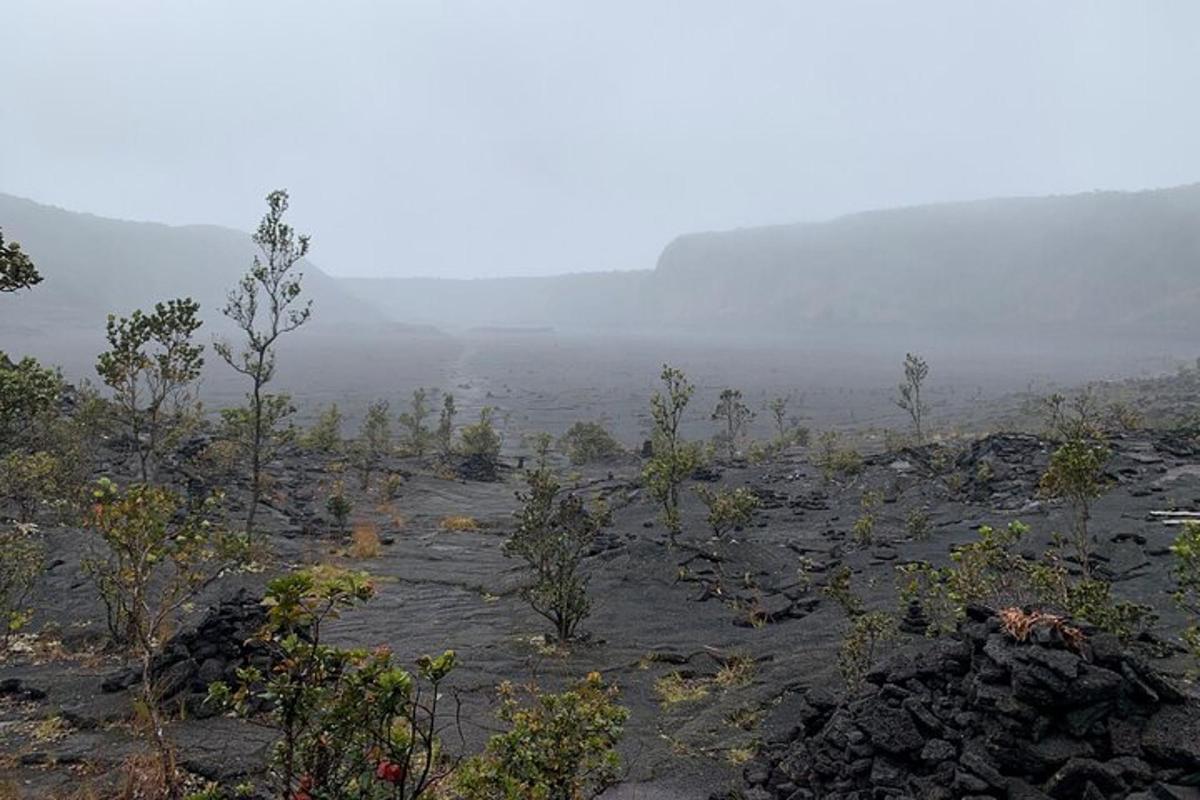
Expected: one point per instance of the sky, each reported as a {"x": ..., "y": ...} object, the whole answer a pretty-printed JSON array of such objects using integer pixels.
[{"x": 511, "y": 137}]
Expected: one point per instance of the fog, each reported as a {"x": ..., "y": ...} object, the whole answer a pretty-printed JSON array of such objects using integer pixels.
[{"x": 480, "y": 138}]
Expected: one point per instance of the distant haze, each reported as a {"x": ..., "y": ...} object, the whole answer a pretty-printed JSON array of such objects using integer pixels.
[{"x": 488, "y": 138}]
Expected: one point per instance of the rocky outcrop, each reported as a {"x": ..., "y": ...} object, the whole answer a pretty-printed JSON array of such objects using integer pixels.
[
  {"x": 224, "y": 641},
  {"x": 982, "y": 715}
]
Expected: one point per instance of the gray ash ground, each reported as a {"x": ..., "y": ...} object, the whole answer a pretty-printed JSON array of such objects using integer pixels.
[{"x": 659, "y": 609}]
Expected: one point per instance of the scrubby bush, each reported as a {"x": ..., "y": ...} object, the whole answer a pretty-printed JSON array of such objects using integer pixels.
[
  {"x": 993, "y": 571},
  {"x": 553, "y": 536},
  {"x": 557, "y": 746},
  {"x": 589, "y": 443},
  {"x": 728, "y": 509},
  {"x": 835, "y": 460},
  {"x": 339, "y": 506},
  {"x": 1186, "y": 571},
  {"x": 264, "y": 306},
  {"x": 734, "y": 417},
  {"x": 151, "y": 563},
  {"x": 443, "y": 437},
  {"x": 541, "y": 443},
  {"x": 918, "y": 524},
  {"x": 481, "y": 439},
  {"x": 28, "y": 480},
  {"x": 866, "y": 633},
  {"x": 788, "y": 430},
  {"x": 351, "y": 723},
  {"x": 417, "y": 436},
  {"x": 325, "y": 435},
  {"x": 22, "y": 564},
  {"x": 864, "y": 526},
  {"x": 29, "y": 394},
  {"x": 1077, "y": 466},
  {"x": 674, "y": 460}
]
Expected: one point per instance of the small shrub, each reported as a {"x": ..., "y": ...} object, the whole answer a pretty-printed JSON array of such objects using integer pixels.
[
  {"x": 392, "y": 485},
  {"x": 674, "y": 460},
  {"x": 675, "y": 688},
  {"x": 728, "y": 509},
  {"x": 589, "y": 443},
  {"x": 860, "y": 646},
  {"x": 22, "y": 564},
  {"x": 325, "y": 435},
  {"x": 1186, "y": 572},
  {"x": 541, "y": 443},
  {"x": 864, "y": 526},
  {"x": 28, "y": 480},
  {"x": 918, "y": 524},
  {"x": 558, "y": 746},
  {"x": 417, "y": 436},
  {"x": 734, "y": 416},
  {"x": 908, "y": 396},
  {"x": 835, "y": 460},
  {"x": 339, "y": 506},
  {"x": 481, "y": 439}
]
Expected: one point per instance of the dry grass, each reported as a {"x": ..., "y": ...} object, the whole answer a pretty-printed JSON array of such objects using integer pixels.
[
  {"x": 459, "y": 523},
  {"x": 675, "y": 688},
  {"x": 364, "y": 541},
  {"x": 737, "y": 670}
]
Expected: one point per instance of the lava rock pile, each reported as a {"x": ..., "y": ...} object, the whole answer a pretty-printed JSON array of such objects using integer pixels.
[{"x": 982, "y": 715}]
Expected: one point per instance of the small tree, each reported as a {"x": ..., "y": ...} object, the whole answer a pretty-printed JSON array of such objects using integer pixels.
[
  {"x": 558, "y": 746},
  {"x": 16, "y": 269},
  {"x": 788, "y": 429},
  {"x": 728, "y": 509},
  {"x": 325, "y": 436},
  {"x": 864, "y": 526},
  {"x": 29, "y": 393},
  {"x": 351, "y": 723},
  {"x": 417, "y": 435},
  {"x": 28, "y": 480},
  {"x": 1076, "y": 470},
  {"x": 1186, "y": 571},
  {"x": 541, "y": 443},
  {"x": 481, "y": 439},
  {"x": 674, "y": 460},
  {"x": 264, "y": 307},
  {"x": 553, "y": 536},
  {"x": 23, "y": 563},
  {"x": 153, "y": 563},
  {"x": 150, "y": 364},
  {"x": 444, "y": 436},
  {"x": 734, "y": 416},
  {"x": 909, "y": 397},
  {"x": 374, "y": 443},
  {"x": 589, "y": 443},
  {"x": 339, "y": 506}
]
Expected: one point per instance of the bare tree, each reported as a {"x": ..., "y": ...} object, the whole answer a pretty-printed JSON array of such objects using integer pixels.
[
  {"x": 265, "y": 305},
  {"x": 909, "y": 398}
]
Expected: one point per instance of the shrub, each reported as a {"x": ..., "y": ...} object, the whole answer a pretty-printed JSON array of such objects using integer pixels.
[
  {"x": 1186, "y": 572},
  {"x": 728, "y": 509},
  {"x": 553, "y": 535},
  {"x": 541, "y": 443},
  {"x": 864, "y": 526},
  {"x": 29, "y": 393},
  {"x": 734, "y": 416},
  {"x": 481, "y": 439},
  {"x": 346, "y": 719},
  {"x": 918, "y": 525},
  {"x": 150, "y": 363},
  {"x": 258, "y": 432},
  {"x": 1076, "y": 474},
  {"x": 364, "y": 542},
  {"x": 835, "y": 460},
  {"x": 788, "y": 429},
  {"x": 392, "y": 485},
  {"x": 590, "y": 443},
  {"x": 444, "y": 435},
  {"x": 674, "y": 460},
  {"x": 860, "y": 646},
  {"x": 339, "y": 506},
  {"x": 459, "y": 523},
  {"x": 417, "y": 435},
  {"x": 325, "y": 435},
  {"x": 557, "y": 746},
  {"x": 28, "y": 480},
  {"x": 20, "y": 568},
  {"x": 153, "y": 563}
]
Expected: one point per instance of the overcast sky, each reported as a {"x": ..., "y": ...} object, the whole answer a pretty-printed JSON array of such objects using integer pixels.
[{"x": 504, "y": 137}]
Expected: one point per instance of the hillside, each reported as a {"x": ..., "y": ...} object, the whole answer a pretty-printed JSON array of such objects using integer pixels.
[
  {"x": 93, "y": 266},
  {"x": 1120, "y": 263}
]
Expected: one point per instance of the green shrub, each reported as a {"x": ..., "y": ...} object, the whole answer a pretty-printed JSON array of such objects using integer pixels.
[
  {"x": 557, "y": 746},
  {"x": 351, "y": 723},
  {"x": 417, "y": 435},
  {"x": 481, "y": 439},
  {"x": 835, "y": 460},
  {"x": 29, "y": 394},
  {"x": 29, "y": 480},
  {"x": 1186, "y": 572},
  {"x": 339, "y": 506},
  {"x": 728, "y": 509},
  {"x": 553, "y": 535},
  {"x": 918, "y": 525},
  {"x": 908, "y": 396},
  {"x": 864, "y": 526},
  {"x": 674, "y": 460},
  {"x": 734, "y": 416},
  {"x": 589, "y": 443},
  {"x": 325, "y": 435},
  {"x": 20, "y": 568}
]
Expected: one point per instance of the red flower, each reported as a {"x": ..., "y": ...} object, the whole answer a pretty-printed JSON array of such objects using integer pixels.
[{"x": 389, "y": 771}]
